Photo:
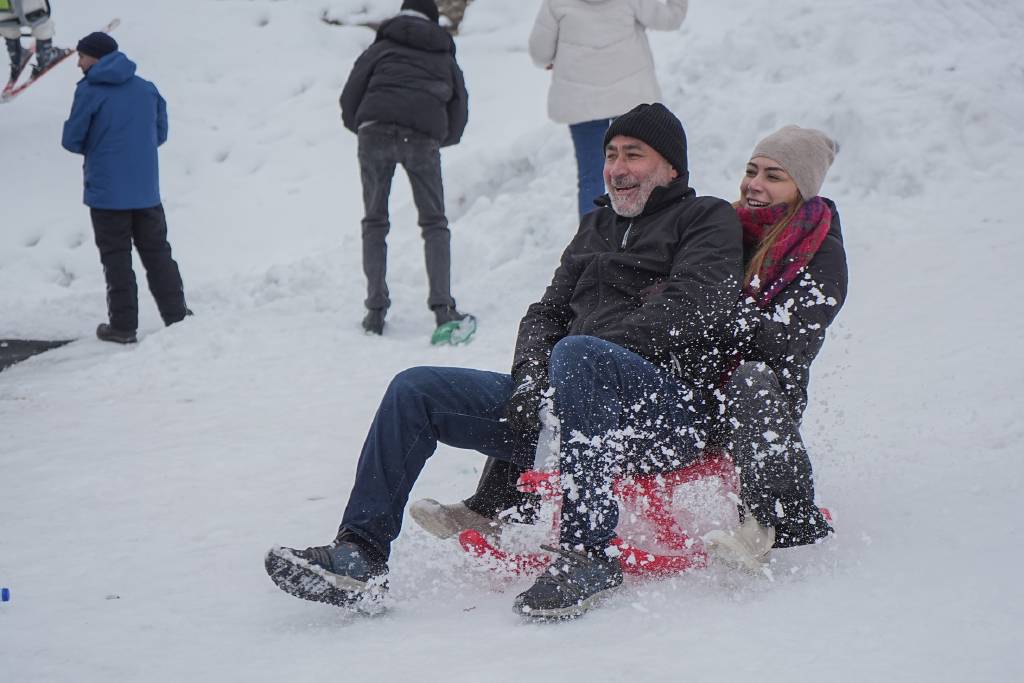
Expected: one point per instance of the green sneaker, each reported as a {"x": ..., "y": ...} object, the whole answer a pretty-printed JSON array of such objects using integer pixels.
[{"x": 454, "y": 332}]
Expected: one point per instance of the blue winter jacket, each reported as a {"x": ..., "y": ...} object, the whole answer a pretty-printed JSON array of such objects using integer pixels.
[{"x": 117, "y": 121}]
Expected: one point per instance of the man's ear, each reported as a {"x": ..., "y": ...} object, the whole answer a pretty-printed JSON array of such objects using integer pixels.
[{"x": 675, "y": 173}]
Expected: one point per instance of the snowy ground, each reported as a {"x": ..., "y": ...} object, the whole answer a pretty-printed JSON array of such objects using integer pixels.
[{"x": 142, "y": 485}]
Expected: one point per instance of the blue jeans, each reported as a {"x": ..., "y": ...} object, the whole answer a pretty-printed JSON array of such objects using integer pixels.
[
  {"x": 618, "y": 413},
  {"x": 588, "y": 140}
]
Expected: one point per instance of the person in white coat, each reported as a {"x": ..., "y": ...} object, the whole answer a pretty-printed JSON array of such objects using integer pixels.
[{"x": 601, "y": 67}]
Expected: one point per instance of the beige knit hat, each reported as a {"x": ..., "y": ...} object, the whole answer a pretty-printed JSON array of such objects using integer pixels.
[{"x": 805, "y": 154}]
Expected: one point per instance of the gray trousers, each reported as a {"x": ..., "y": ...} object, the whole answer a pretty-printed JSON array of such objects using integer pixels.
[{"x": 382, "y": 146}]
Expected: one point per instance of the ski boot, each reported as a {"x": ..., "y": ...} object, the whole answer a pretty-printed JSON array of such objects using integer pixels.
[
  {"x": 18, "y": 58},
  {"x": 47, "y": 56}
]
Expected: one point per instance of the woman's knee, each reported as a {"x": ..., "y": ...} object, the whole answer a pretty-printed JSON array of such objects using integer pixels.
[{"x": 753, "y": 377}]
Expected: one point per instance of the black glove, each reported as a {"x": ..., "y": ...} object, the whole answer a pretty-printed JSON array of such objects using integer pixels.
[
  {"x": 747, "y": 321},
  {"x": 522, "y": 413}
]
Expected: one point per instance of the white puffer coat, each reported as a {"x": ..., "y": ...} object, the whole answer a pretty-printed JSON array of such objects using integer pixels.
[{"x": 602, "y": 61}]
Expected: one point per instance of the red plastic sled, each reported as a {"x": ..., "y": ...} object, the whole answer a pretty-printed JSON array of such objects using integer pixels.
[{"x": 649, "y": 497}]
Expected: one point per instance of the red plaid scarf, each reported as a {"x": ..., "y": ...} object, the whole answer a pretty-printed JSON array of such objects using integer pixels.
[{"x": 794, "y": 248}]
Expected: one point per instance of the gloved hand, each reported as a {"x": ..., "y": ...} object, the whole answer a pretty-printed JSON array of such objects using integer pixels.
[
  {"x": 747, "y": 322},
  {"x": 522, "y": 413}
]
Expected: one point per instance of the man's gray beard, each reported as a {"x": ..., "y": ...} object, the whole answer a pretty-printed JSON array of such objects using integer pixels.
[{"x": 633, "y": 209}]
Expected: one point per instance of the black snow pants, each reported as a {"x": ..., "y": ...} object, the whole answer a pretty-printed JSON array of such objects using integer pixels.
[
  {"x": 763, "y": 437},
  {"x": 115, "y": 231}
]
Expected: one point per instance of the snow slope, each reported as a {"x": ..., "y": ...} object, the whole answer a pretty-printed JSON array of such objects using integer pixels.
[{"x": 142, "y": 485}]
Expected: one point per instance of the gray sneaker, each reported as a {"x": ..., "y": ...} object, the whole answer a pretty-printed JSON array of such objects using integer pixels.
[
  {"x": 340, "y": 575},
  {"x": 445, "y": 521},
  {"x": 572, "y": 584}
]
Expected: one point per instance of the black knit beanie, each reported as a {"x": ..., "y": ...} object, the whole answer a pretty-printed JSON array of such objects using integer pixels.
[
  {"x": 97, "y": 44},
  {"x": 658, "y": 127},
  {"x": 427, "y": 7}
]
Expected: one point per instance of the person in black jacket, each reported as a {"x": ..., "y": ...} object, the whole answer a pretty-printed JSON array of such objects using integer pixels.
[
  {"x": 795, "y": 281},
  {"x": 406, "y": 98},
  {"x": 622, "y": 345}
]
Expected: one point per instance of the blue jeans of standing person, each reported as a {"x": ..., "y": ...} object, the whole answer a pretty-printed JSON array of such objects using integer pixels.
[
  {"x": 382, "y": 147},
  {"x": 588, "y": 141},
  {"x": 618, "y": 412}
]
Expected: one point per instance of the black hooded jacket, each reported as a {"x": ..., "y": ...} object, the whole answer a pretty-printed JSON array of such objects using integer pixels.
[
  {"x": 409, "y": 77},
  {"x": 663, "y": 285}
]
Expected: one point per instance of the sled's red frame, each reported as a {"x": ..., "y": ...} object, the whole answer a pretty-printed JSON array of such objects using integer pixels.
[{"x": 649, "y": 497}]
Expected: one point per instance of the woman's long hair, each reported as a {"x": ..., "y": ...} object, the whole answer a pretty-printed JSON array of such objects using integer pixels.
[{"x": 766, "y": 244}]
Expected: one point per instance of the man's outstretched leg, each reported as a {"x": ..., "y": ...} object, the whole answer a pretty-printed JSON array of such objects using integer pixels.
[
  {"x": 618, "y": 413},
  {"x": 422, "y": 406}
]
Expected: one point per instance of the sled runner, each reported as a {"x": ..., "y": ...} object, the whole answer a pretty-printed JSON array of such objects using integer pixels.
[{"x": 648, "y": 497}]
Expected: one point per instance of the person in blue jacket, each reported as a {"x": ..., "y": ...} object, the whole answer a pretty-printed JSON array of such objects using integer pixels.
[{"x": 117, "y": 122}]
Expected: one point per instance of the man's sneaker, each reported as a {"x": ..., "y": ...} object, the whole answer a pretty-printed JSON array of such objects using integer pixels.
[
  {"x": 373, "y": 323},
  {"x": 745, "y": 547},
  {"x": 572, "y": 584},
  {"x": 445, "y": 521},
  {"x": 340, "y": 575},
  {"x": 452, "y": 327},
  {"x": 111, "y": 334}
]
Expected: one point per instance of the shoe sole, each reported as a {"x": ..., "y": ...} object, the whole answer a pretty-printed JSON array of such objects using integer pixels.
[
  {"x": 433, "y": 518},
  {"x": 729, "y": 550},
  {"x": 297, "y": 577},
  {"x": 565, "y": 613},
  {"x": 436, "y": 520}
]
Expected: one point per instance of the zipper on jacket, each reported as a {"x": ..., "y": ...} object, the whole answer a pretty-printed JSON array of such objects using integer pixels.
[{"x": 625, "y": 235}]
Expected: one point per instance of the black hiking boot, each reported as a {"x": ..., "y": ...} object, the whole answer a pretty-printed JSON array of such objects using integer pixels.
[
  {"x": 572, "y": 584},
  {"x": 373, "y": 323},
  {"x": 342, "y": 574},
  {"x": 111, "y": 334}
]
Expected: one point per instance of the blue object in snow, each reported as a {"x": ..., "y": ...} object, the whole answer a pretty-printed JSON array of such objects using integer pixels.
[{"x": 5, "y": 595}]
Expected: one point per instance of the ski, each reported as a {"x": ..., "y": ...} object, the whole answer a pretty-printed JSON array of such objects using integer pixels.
[{"x": 12, "y": 91}]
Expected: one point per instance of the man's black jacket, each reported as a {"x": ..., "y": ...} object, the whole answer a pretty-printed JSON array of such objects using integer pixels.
[
  {"x": 409, "y": 76},
  {"x": 663, "y": 285}
]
